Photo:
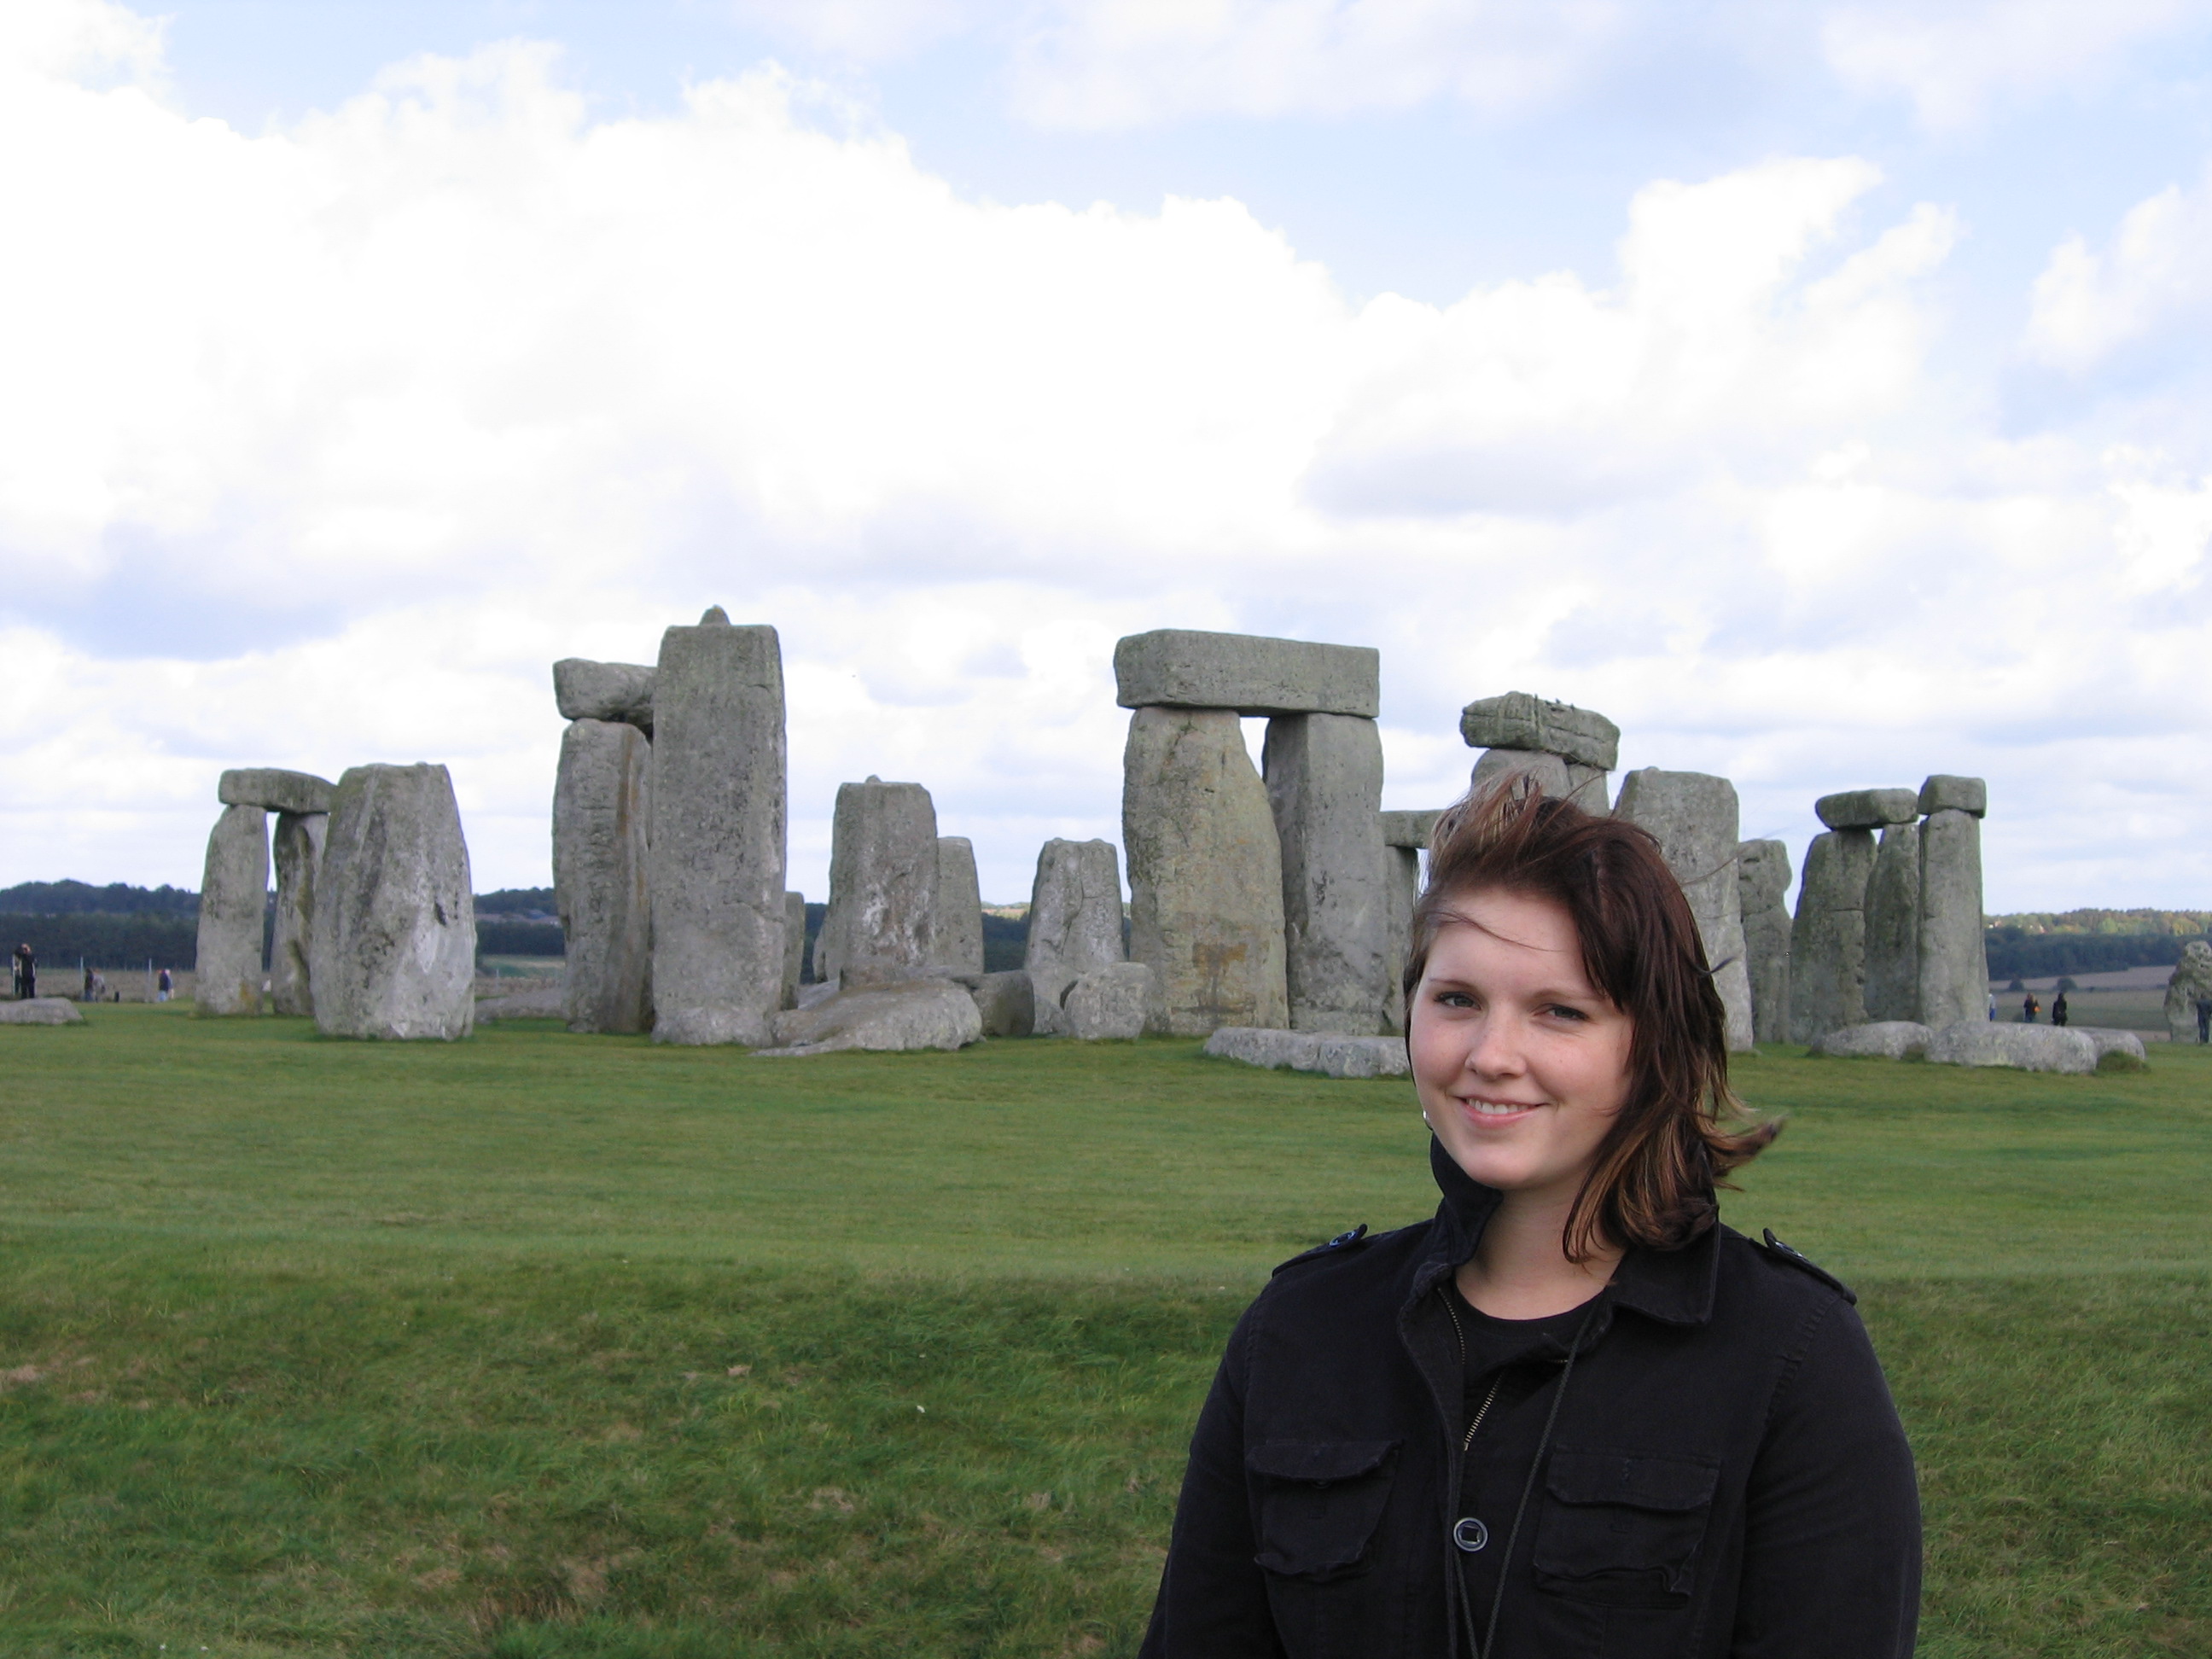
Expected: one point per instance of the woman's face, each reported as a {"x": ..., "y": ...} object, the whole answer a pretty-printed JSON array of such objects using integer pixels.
[{"x": 1521, "y": 1063}]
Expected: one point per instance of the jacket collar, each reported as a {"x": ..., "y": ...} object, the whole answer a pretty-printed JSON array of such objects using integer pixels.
[{"x": 1674, "y": 1287}]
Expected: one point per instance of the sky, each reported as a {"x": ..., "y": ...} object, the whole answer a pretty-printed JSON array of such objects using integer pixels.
[{"x": 1816, "y": 391}]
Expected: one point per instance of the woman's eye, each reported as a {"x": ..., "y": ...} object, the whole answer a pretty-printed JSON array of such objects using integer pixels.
[
  {"x": 1563, "y": 1011},
  {"x": 1455, "y": 999}
]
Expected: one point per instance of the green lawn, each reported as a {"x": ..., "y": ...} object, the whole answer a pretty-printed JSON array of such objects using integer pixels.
[{"x": 543, "y": 1345}]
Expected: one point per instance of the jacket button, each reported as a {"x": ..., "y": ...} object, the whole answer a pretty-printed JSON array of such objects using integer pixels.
[{"x": 1469, "y": 1533}]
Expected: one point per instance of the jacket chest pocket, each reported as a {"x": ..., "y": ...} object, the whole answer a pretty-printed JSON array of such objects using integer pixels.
[
  {"x": 1623, "y": 1531},
  {"x": 1319, "y": 1503}
]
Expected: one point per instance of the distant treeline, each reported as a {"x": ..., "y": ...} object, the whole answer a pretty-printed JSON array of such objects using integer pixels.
[
  {"x": 2017, "y": 953},
  {"x": 79, "y": 898},
  {"x": 109, "y": 942},
  {"x": 2180, "y": 924}
]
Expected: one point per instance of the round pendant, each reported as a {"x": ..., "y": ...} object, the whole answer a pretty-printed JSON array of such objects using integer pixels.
[{"x": 1469, "y": 1533}]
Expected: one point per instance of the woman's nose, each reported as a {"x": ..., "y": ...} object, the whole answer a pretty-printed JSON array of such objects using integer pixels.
[{"x": 1496, "y": 1050}]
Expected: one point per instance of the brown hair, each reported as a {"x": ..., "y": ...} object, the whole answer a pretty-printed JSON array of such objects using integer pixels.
[{"x": 1681, "y": 1129}]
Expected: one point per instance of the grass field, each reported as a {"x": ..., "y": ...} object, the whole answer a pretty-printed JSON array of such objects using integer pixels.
[{"x": 552, "y": 1346}]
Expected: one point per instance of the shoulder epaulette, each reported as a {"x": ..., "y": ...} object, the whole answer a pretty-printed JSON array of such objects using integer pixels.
[
  {"x": 1805, "y": 1264},
  {"x": 1342, "y": 1242}
]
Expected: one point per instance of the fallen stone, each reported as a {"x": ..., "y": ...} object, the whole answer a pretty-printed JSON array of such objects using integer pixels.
[
  {"x": 1867, "y": 809},
  {"x": 1108, "y": 1003},
  {"x": 547, "y": 1002},
  {"x": 1520, "y": 720},
  {"x": 1339, "y": 1055},
  {"x": 1762, "y": 879},
  {"x": 1075, "y": 921},
  {"x": 392, "y": 953},
  {"x": 1953, "y": 967},
  {"x": 40, "y": 1010},
  {"x": 298, "y": 846},
  {"x": 587, "y": 691},
  {"x": 2190, "y": 984},
  {"x": 1183, "y": 668},
  {"x": 1827, "y": 939},
  {"x": 1885, "y": 1039},
  {"x": 955, "y": 935},
  {"x": 883, "y": 879},
  {"x": 602, "y": 875},
  {"x": 1324, "y": 778},
  {"x": 1893, "y": 925},
  {"x": 1205, "y": 872},
  {"x": 233, "y": 898},
  {"x": 1006, "y": 1001},
  {"x": 794, "y": 946},
  {"x": 1983, "y": 1041},
  {"x": 919, "y": 1014},
  {"x": 2114, "y": 1047},
  {"x": 274, "y": 790},
  {"x": 1548, "y": 772},
  {"x": 1409, "y": 830},
  {"x": 718, "y": 792},
  {"x": 814, "y": 995},
  {"x": 1692, "y": 817},
  {"x": 1946, "y": 793}
]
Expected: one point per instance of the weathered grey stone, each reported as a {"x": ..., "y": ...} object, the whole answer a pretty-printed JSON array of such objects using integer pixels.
[
  {"x": 1409, "y": 830},
  {"x": 1324, "y": 777},
  {"x": 1182, "y": 668},
  {"x": 1954, "y": 970},
  {"x": 1075, "y": 921},
  {"x": 1762, "y": 879},
  {"x": 587, "y": 691},
  {"x": 1867, "y": 809},
  {"x": 1109, "y": 1002},
  {"x": 883, "y": 880},
  {"x": 1893, "y": 925},
  {"x": 392, "y": 953},
  {"x": 2190, "y": 983},
  {"x": 1887, "y": 1039},
  {"x": 40, "y": 1010},
  {"x": 1401, "y": 878},
  {"x": 720, "y": 790},
  {"x": 956, "y": 937},
  {"x": 1338, "y": 1054},
  {"x": 234, "y": 897},
  {"x": 2023, "y": 1048},
  {"x": 813, "y": 994},
  {"x": 299, "y": 852},
  {"x": 546, "y": 1002},
  {"x": 794, "y": 946},
  {"x": 1006, "y": 1001},
  {"x": 1205, "y": 872},
  {"x": 603, "y": 875},
  {"x": 2111, "y": 1042},
  {"x": 918, "y": 1013},
  {"x": 1587, "y": 788},
  {"x": 1827, "y": 940},
  {"x": 1692, "y": 817},
  {"x": 274, "y": 790},
  {"x": 1548, "y": 772},
  {"x": 1520, "y": 720},
  {"x": 1946, "y": 793}
]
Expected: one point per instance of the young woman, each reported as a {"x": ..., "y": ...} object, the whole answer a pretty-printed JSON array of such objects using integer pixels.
[{"x": 1572, "y": 1417}]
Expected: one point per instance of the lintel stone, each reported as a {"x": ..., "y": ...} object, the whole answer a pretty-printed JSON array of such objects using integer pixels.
[
  {"x": 1409, "y": 829},
  {"x": 1520, "y": 719},
  {"x": 274, "y": 790},
  {"x": 620, "y": 692},
  {"x": 1944, "y": 792},
  {"x": 1184, "y": 668},
  {"x": 1868, "y": 809}
]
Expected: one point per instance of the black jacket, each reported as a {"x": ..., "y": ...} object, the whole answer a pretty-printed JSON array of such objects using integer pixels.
[{"x": 1725, "y": 1475}]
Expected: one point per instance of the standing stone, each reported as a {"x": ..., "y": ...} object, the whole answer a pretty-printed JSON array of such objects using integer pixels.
[
  {"x": 883, "y": 882},
  {"x": 1763, "y": 884},
  {"x": 299, "y": 848},
  {"x": 794, "y": 946},
  {"x": 1324, "y": 777},
  {"x": 1205, "y": 873},
  {"x": 1586, "y": 788},
  {"x": 234, "y": 897},
  {"x": 1548, "y": 772},
  {"x": 957, "y": 926},
  {"x": 1954, "y": 966},
  {"x": 1405, "y": 838},
  {"x": 392, "y": 953},
  {"x": 2190, "y": 983},
  {"x": 1893, "y": 926},
  {"x": 719, "y": 793},
  {"x": 1827, "y": 941},
  {"x": 1692, "y": 817},
  {"x": 602, "y": 875},
  {"x": 1075, "y": 922}
]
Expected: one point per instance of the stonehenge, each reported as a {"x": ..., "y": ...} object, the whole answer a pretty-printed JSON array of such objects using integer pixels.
[
  {"x": 1074, "y": 922},
  {"x": 616, "y": 691},
  {"x": 1109, "y": 1002},
  {"x": 1405, "y": 838},
  {"x": 298, "y": 846},
  {"x": 957, "y": 922},
  {"x": 884, "y": 867},
  {"x": 794, "y": 946},
  {"x": 1827, "y": 939},
  {"x": 1692, "y": 817},
  {"x": 1568, "y": 750},
  {"x": 1338, "y": 1056},
  {"x": 233, "y": 894},
  {"x": 914, "y": 1013},
  {"x": 1324, "y": 778},
  {"x": 393, "y": 950},
  {"x": 1763, "y": 885},
  {"x": 2190, "y": 984},
  {"x": 1954, "y": 960},
  {"x": 717, "y": 847},
  {"x": 602, "y": 811}
]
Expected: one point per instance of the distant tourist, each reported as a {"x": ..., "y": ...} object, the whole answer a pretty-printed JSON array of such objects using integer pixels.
[
  {"x": 26, "y": 974},
  {"x": 1572, "y": 1364},
  {"x": 2058, "y": 1009},
  {"x": 89, "y": 978},
  {"x": 1993, "y": 1004},
  {"x": 162, "y": 986},
  {"x": 2029, "y": 1009},
  {"x": 2204, "y": 1019}
]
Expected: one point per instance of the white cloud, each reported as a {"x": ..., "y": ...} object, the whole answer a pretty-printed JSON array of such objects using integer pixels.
[
  {"x": 2155, "y": 274},
  {"x": 319, "y": 446},
  {"x": 1954, "y": 62}
]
